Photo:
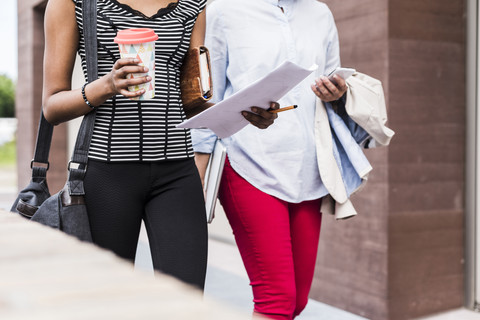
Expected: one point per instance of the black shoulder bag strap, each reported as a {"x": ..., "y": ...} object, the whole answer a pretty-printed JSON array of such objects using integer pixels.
[
  {"x": 77, "y": 167},
  {"x": 42, "y": 149}
]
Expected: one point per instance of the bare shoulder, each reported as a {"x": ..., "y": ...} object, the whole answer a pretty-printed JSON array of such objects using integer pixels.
[
  {"x": 61, "y": 7},
  {"x": 60, "y": 13},
  {"x": 61, "y": 30}
]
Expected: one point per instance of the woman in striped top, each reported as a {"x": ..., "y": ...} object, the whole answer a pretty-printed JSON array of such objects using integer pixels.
[{"x": 141, "y": 166}]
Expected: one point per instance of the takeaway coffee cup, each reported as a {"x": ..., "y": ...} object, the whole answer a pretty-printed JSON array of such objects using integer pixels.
[{"x": 139, "y": 43}]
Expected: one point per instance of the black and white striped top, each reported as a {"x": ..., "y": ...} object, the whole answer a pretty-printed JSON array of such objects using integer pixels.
[{"x": 127, "y": 130}]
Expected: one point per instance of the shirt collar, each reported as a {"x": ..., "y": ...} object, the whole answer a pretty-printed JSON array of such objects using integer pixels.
[
  {"x": 280, "y": 2},
  {"x": 276, "y": 2}
]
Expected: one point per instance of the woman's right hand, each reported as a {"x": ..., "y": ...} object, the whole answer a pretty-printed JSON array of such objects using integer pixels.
[
  {"x": 119, "y": 82},
  {"x": 262, "y": 118}
]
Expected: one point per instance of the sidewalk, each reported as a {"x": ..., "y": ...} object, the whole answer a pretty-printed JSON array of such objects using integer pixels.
[{"x": 227, "y": 281}]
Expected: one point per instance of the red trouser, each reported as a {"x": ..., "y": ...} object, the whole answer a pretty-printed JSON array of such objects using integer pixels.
[{"x": 278, "y": 243}]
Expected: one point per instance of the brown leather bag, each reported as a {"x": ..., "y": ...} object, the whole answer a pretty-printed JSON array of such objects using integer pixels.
[{"x": 193, "y": 97}]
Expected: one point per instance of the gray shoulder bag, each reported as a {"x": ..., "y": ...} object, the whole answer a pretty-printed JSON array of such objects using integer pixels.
[{"x": 65, "y": 210}]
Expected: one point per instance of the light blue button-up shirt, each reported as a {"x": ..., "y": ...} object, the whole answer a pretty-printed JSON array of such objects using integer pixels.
[{"x": 247, "y": 39}]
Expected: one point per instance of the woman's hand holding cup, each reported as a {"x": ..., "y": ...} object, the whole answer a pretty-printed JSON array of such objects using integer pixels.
[
  {"x": 119, "y": 82},
  {"x": 136, "y": 47}
]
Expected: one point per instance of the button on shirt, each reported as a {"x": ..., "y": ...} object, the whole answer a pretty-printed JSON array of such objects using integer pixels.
[{"x": 247, "y": 39}]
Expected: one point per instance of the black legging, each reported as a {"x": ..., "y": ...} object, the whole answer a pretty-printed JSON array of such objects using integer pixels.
[{"x": 168, "y": 196}]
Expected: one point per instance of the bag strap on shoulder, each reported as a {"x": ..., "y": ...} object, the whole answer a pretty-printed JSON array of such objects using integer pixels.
[{"x": 77, "y": 167}]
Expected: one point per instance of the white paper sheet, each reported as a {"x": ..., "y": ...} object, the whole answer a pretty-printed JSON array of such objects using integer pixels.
[{"x": 225, "y": 119}]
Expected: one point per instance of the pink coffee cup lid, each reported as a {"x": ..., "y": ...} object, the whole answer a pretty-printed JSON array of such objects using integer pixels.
[{"x": 138, "y": 35}]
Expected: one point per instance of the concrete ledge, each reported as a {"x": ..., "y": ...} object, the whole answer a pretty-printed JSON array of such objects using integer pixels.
[{"x": 45, "y": 274}]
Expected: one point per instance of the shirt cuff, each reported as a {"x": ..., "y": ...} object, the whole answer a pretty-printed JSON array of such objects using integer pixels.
[{"x": 203, "y": 140}]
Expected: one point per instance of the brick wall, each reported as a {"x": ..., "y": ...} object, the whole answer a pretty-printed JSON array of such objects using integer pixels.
[
  {"x": 402, "y": 257},
  {"x": 427, "y": 160}
]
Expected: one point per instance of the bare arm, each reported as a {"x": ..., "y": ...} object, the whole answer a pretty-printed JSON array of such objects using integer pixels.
[
  {"x": 198, "y": 39},
  {"x": 198, "y": 33},
  {"x": 201, "y": 160},
  {"x": 60, "y": 102}
]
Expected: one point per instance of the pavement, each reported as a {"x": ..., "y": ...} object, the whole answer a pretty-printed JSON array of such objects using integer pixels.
[{"x": 226, "y": 280}]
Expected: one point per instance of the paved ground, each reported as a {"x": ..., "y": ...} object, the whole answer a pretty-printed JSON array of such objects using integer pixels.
[
  {"x": 227, "y": 281},
  {"x": 8, "y": 186},
  {"x": 226, "y": 277}
]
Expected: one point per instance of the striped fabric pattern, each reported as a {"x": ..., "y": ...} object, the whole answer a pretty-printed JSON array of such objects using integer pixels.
[{"x": 127, "y": 130}]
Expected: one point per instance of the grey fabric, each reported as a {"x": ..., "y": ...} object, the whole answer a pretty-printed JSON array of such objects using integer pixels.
[
  {"x": 44, "y": 139},
  {"x": 31, "y": 197},
  {"x": 82, "y": 145},
  {"x": 75, "y": 182},
  {"x": 70, "y": 218},
  {"x": 48, "y": 213}
]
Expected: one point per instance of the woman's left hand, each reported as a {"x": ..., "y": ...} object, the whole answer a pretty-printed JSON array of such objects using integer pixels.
[
  {"x": 260, "y": 117},
  {"x": 329, "y": 91}
]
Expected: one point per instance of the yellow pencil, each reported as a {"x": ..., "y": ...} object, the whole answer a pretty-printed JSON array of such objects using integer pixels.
[{"x": 283, "y": 109}]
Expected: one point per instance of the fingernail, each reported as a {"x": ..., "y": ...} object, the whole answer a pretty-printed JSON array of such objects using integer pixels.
[
  {"x": 145, "y": 69},
  {"x": 149, "y": 78},
  {"x": 254, "y": 109},
  {"x": 244, "y": 113}
]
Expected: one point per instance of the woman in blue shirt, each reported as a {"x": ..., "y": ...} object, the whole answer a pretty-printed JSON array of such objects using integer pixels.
[{"x": 271, "y": 188}]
